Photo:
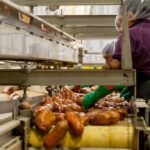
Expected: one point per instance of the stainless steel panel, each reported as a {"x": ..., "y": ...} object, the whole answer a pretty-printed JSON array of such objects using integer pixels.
[
  {"x": 14, "y": 144},
  {"x": 5, "y": 117},
  {"x": 25, "y": 20},
  {"x": 88, "y": 32},
  {"x": 76, "y": 20},
  {"x": 8, "y": 106},
  {"x": 67, "y": 2},
  {"x": 5, "y": 138},
  {"x": 32, "y": 97},
  {"x": 4, "y": 128},
  {"x": 67, "y": 77},
  {"x": 16, "y": 44}
]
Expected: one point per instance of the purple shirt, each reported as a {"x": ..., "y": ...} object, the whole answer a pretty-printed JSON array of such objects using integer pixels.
[{"x": 140, "y": 46}]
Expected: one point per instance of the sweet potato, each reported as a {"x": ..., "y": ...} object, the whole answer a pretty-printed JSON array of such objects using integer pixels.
[
  {"x": 72, "y": 107},
  {"x": 59, "y": 116},
  {"x": 122, "y": 112},
  {"x": 53, "y": 138},
  {"x": 44, "y": 119},
  {"x": 75, "y": 123},
  {"x": 100, "y": 118},
  {"x": 103, "y": 117},
  {"x": 115, "y": 116},
  {"x": 84, "y": 118}
]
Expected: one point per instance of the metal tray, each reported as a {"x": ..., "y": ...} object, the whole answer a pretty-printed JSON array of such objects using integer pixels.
[
  {"x": 5, "y": 117},
  {"x": 8, "y": 106}
]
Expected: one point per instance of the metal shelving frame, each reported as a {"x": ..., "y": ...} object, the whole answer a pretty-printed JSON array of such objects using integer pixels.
[
  {"x": 26, "y": 25},
  {"x": 85, "y": 26},
  {"x": 67, "y": 77},
  {"x": 105, "y": 31},
  {"x": 126, "y": 50},
  {"x": 68, "y": 20},
  {"x": 12, "y": 14},
  {"x": 8, "y": 9}
]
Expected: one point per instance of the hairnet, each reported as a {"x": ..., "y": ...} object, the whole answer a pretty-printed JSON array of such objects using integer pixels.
[
  {"x": 140, "y": 10},
  {"x": 118, "y": 23},
  {"x": 143, "y": 10},
  {"x": 108, "y": 49}
]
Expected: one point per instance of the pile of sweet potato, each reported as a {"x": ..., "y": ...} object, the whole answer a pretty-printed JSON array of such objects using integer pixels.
[{"x": 56, "y": 115}]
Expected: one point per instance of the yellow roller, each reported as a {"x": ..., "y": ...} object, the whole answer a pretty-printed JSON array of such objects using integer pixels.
[
  {"x": 103, "y": 137},
  {"x": 35, "y": 138},
  {"x": 121, "y": 135}
]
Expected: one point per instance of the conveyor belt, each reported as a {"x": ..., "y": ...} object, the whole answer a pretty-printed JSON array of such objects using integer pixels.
[
  {"x": 121, "y": 135},
  {"x": 8, "y": 105}
]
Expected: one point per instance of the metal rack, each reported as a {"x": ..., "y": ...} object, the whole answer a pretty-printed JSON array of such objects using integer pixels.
[
  {"x": 85, "y": 26},
  {"x": 33, "y": 36},
  {"x": 100, "y": 28},
  {"x": 90, "y": 31},
  {"x": 69, "y": 77}
]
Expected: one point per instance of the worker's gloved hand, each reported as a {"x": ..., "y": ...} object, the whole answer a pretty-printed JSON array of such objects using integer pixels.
[
  {"x": 118, "y": 87},
  {"x": 126, "y": 94},
  {"x": 124, "y": 91},
  {"x": 88, "y": 100},
  {"x": 91, "y": 98}
]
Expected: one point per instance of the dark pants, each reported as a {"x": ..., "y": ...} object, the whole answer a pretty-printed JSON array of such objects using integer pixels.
[
  {"x": 143, "y": 91},
  {"x": 143, "y": 86}
]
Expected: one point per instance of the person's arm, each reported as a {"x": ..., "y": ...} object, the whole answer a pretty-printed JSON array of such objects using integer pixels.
[
  {"x": 91, "y": 98},
  {"x": 113, "y": 64}
]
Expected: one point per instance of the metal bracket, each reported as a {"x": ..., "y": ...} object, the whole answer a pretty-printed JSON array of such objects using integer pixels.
[
  {"x": 24, "y": 96},
  {"x": 81, "y": 55},
  {"x": 23, "y": 131},
  {"x": 126, "y": 47},
  {"x": 49, "y": 90},
  {"x": 141, "y": 105}
]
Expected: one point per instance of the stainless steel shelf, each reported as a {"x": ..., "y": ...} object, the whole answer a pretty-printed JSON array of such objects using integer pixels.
[
  {"x": 76, "y": 20},
  {"x": 88, "y": 32},
  {"x": 85, "y": 26},
  {"x": 67, "y": 2},
  {"x": 67, "y": 77},
  {"x": 8, "y": 105},
  {"x": 5, "y": 117},
  {"x": 36, "y": 39},
  {"x": 4, "y": 128},
  {"x": 33, "y": 48},
  {"x": 12, "y": 14}
]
